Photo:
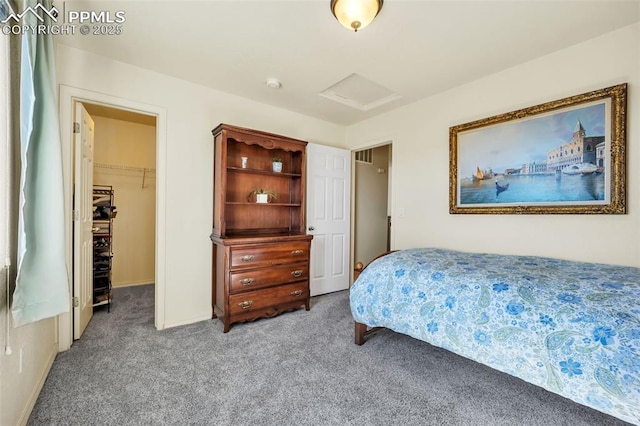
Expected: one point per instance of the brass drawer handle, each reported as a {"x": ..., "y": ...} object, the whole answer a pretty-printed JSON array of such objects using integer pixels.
[
  {"x": 297, "y": 273},
  {"x": 296, "y": 293},
  {"x": 246, "y": 304},
  {"x": 297, "y": 251},
  {"x": 246, "y": 281},
  {"x": 247, "y": 258}
]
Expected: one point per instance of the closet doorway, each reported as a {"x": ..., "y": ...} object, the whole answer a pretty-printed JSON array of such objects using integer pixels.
[
  {"x": 372, "y": 202},
  {"x": 124, "y": 156}
]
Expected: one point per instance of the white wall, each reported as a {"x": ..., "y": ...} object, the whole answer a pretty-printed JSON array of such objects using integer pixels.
[
  {"x": 192, "y": 111},
  {"x": 23, "y": 372},
  {"x": 421, "y": 157},
  {"x": 124, "y": 143}
]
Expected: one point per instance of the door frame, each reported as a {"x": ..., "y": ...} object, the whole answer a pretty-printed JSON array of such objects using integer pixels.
[{"x": 68, "y": 97}]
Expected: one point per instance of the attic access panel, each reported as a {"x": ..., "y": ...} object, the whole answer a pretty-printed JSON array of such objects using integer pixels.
[{"x": 360, "y": 93}]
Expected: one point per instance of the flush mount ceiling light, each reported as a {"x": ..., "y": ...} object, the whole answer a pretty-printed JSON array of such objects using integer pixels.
[{"x": 355, "y": 14}]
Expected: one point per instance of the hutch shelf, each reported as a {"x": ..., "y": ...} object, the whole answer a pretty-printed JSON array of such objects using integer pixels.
[{"x": 260, "y": 249}]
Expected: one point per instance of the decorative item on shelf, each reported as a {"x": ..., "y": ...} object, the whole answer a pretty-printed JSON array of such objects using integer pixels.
[
  {"x": 262, "y": 195},
  {"x": 244, "y": 162},
  {"x": 355, "y": 14},
  {"x": 277, "y": 165}
]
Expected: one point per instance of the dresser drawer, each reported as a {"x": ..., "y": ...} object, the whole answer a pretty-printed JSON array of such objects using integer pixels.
[
  {"x": 269, "y": 254},
  {"x": 268, "y": 277},
  {"x": 266, "y": 298}
]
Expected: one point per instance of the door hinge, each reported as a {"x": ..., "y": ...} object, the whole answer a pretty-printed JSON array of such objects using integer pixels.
[
  {"x": 75, "y": 215},
  {"x": 76, "y": 127},
  {"x": 75, "y": 302}
]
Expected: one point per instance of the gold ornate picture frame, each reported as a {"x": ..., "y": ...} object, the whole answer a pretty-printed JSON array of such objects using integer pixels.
[{"x": 560, "y": 157}]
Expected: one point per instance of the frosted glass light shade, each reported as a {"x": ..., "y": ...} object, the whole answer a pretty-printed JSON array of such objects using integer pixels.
[{"x": 355, "y": 14}]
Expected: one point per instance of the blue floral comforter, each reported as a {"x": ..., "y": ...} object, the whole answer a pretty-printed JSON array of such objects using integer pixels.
[{"x": 572, "y": 328}]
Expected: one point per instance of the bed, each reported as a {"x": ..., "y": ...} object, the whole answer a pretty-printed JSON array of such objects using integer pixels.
[{"x": 572, "y": 328}]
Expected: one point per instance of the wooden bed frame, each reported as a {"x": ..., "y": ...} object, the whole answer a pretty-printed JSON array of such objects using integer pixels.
[{"x": 362, "y": 331}]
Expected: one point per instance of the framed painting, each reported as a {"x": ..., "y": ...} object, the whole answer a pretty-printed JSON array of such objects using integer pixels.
[{"x": 561, "y": 157}]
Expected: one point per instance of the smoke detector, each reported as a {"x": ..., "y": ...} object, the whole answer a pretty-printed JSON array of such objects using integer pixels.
[{"x": 273, "y": 83}]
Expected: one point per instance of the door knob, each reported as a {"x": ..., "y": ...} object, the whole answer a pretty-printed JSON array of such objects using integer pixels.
[{"x": 311, "y": 228}]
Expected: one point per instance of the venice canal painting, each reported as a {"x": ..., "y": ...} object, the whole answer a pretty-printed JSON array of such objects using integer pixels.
[{"x": 558, "y": 158}]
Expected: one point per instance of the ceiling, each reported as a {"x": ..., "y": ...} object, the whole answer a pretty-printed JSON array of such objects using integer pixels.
[
  {"x": 413, "y": 49},
  {"x": 119, "y": 114}
]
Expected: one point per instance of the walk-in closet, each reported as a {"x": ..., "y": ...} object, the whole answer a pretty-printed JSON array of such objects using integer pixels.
[{"x": 124, "y": 161}]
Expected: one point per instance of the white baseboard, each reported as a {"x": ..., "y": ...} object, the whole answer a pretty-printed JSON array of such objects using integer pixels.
[
  {"x": 33, "y": 398},
  {"x": 132, "y": 284},
  {"x": 206, "y": 316}
]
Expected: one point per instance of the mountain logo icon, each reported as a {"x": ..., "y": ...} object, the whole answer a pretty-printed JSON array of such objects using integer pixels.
[{"x": 39, "y": 11}]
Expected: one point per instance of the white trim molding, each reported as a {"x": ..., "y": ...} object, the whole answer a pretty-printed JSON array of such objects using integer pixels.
[{"x": 68, "y": 97}]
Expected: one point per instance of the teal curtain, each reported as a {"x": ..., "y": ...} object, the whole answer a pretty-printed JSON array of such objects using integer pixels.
[
  {"x": 42, "y": 287},
  {"x": 5, "y": 9}
]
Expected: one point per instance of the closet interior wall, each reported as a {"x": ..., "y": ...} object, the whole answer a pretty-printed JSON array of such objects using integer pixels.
[{"x": 124, "y": 158}]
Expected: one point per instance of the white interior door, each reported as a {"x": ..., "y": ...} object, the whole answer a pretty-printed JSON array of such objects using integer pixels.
[
  {"x": 83, "y": 221},
  {"x": 328, "y": 215}
]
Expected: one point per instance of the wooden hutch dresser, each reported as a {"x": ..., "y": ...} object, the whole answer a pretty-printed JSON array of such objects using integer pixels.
[{"x": 260, "y": 249}]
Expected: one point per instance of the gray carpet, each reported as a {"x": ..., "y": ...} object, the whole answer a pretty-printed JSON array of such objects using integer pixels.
[{"x": 300, "y": 368}]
